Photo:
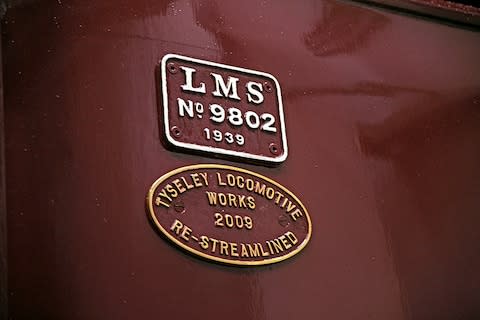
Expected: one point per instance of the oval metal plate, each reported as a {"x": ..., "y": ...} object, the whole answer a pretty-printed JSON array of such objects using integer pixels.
[{"x": 229, "y": 215}]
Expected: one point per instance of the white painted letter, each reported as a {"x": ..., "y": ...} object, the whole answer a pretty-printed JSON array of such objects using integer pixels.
[
  {"x": 182, "y": 107},
  {"x": 226, "y": 88},
  {"x": 254, "y": 94},
  {"x": 188, "y": 86}
]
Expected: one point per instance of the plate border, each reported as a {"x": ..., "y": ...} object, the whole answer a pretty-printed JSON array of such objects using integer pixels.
[{"x": 215, "y": 150}]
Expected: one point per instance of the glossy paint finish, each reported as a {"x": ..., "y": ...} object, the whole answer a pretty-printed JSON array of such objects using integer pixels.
[
  {"x": 383, "y": 121},
  {"x": 464, "y": 12},
  {"x": 3, "y": 215}
]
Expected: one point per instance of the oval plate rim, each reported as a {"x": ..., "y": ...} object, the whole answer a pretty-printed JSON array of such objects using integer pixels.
[{"x": 195, "y": 252}]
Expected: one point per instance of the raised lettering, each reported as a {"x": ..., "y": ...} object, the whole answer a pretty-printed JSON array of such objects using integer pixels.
[
  {"x": 223, "y": 248},
  {"x": 173, "y": 192},
  {"x": 296, "y": 214},
  {"x": 204, "y": 176},
  {"x": 244, "y": 251},
  {"x": 196, "y": 180},
  {"x": 189, "y": 186},
  {"x": 212, "y": 198},
  {"x": 204, "y": 242},
  {"x": 188, "y": 86},
  {"x": 233, "y": 249},
  {"x": 222, "y": 89},
  {"x": 285, "y": 242},
  {"x": 260, "y": 188},
  {"x": 179, "y": 186},
  {"x": 186, "y": 233},
  {"x": 290, "y": 235},
  {"x": 183, "y": 106},
  {"x": 176, "y": 226},
  {"x": 254, "y": 251},
  {"x": 219, "y": 179},
  {"x": 254, "y": 92}
]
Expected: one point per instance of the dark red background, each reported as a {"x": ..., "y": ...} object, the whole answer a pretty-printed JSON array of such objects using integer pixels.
[{"x": 383, "y": 123}]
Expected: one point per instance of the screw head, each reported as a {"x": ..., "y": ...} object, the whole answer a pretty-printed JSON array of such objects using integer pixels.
[
  {"x": 267, "y": 86},
  {"x": 283, "y": 221},
  {"x": 179, "y": 207},
  {"x": 176, "y": 131},
  {"x": 172, "y": 67},
  {"x": 274, "y": 149}
]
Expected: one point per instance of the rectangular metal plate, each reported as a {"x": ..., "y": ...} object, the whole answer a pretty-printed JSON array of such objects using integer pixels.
[{"x": 222, "y": 110}]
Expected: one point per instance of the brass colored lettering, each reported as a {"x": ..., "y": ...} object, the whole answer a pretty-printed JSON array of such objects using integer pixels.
[
  {"x": 162, "y": 193},
  {"x": 232, "y": 191},
  {"x": 158, "y": 202},
  {"x": 285, "y": 242},
  {"x": 231, "y": 180},
  {"x": 270, "y": 193},
  {"x": 270, "y": 247},
  {"x": 223, "y": 248},
  {"x": 296, "y": 214},
  {"x": 186, "y": 233},
  {"x": 173, "y": 192},
  {"x": 219, "y": 179},
  {"x": 214, "y": 246},
  {"x": 240, "y": 182},
  {"x": 179, "y": 186},
  {"x": 264, "y": 254},
  {"x": 189, "y": 186},
  {"x": 196, "y": 180},
  {"x": 233, "y": 249},
  {"x": 290, "y": 206},
  {"x": 212, "y": 198},
  {"x": 290, "y": 235},
  {"x": 251, "y": 202},
  {"x": 254, "y": 252},
  {"x": 249, "y": 184},
  {"x": 244, "y": 250},
  {"x": 277, "y": 245},
  {"x": 260, "y": 188},
  {"x": 232, "y": 200},
  {"x": 279, "y": 196},
  {"x": 204, "y": 242},
  {"x": 222, "y": 199},
  {"x": 241, "y": 201},
  {"x": 204, "y": 175},
  {"x": 176, "y": 226}
]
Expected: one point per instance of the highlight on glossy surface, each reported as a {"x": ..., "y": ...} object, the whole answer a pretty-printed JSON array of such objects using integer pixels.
[{"x": 383, "y": 124}]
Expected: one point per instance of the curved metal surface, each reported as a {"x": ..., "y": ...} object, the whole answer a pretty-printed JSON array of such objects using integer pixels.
[{"x": 383, "y": 120}]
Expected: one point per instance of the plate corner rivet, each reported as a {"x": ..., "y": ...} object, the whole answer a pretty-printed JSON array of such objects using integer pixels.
[
  {"x": 172, "y": 67},
  {"x": 274, "y": 149},
  {"x": 176, "y": 131},
  {"x": 267, "y": 86}
]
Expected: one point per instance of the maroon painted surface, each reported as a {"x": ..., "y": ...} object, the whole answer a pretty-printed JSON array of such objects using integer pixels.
[
  {"x": 383, "y": 121},
  {"x": 3, "y": 213},
  {"x": 464, "y": 12}
]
